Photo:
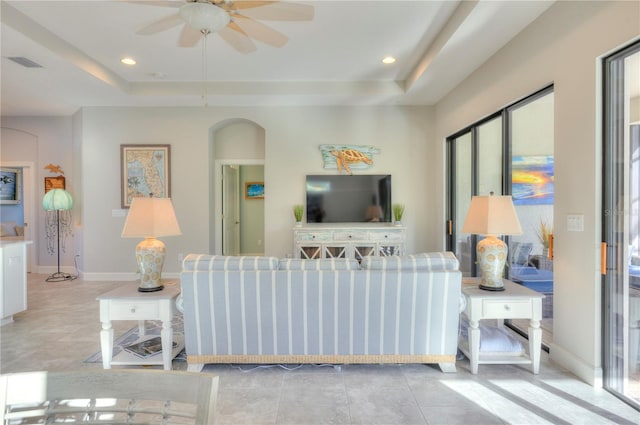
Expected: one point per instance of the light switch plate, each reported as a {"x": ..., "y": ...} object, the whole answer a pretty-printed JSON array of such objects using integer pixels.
[{"x": 575, "y": 222}]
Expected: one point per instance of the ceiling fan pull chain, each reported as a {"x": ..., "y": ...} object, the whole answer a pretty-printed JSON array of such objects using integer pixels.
[{"x": 205, "y": 97}]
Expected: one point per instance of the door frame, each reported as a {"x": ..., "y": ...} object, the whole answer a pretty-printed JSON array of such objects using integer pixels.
[
  {"x": 217, "y": 196},
  {"x": 230, "y": 209},
  {"x": 614, "y": 226},
  {"x": 28, "y": 207}
]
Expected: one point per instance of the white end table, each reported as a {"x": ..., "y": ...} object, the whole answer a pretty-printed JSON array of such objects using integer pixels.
[
  {"x": 127, "y": 303},
  {"x": 515, "y": 302}
]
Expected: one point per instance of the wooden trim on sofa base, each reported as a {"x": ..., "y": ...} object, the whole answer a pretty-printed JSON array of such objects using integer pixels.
[{"x": 319, "y": 359}]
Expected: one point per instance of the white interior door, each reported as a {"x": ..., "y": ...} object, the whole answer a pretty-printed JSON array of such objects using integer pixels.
[{"x": 230, "y": 210}]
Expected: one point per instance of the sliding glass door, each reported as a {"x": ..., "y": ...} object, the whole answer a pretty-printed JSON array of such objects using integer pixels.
[
  {"x": 621, "y": 224},
  {"x": 461, "y": 188},
  {"x": 531, "y": 137},
  {"x": 475, "y": 168},
  {"x": 509, "y": 152}
]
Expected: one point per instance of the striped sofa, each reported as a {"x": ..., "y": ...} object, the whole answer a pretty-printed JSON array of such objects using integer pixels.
[{"x": 269, "y": 310}]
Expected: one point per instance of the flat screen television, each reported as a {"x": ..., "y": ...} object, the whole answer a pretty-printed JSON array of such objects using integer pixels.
[{"x": 349, "y": 198}]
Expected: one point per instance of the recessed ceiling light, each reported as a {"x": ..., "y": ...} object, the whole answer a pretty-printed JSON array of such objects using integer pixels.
[
  {"x": 388, "y": 60},
  {"x": 128, "y": 61}
]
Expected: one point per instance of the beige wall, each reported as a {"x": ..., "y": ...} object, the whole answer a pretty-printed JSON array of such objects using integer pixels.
[
  {"x": 291, "y": 135},
  {"x": 88, "y": 146},
  {"x": 562, "y": 47}
]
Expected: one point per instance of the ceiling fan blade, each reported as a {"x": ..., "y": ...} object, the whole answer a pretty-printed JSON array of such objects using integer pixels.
[
  {"x": 161, "y": 25},
  {"x": 243, "y": 4},
  {"x": 260, "y": 31},
  {"x": 162, "y": 3},
  {"x": 280, "y": 11},
  {"x": 189, "y": 37},
  {"x": 237, "y": 39}
]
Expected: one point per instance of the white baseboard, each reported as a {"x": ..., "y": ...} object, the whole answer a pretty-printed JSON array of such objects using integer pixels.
[
  {"x": 95, "y": 277},
  {"x": 588, "y": 373},
  {"x": 54, "y": 269}
]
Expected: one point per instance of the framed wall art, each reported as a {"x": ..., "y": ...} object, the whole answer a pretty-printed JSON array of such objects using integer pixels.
[
  {"x": 10, "y": 185},
  {"x": 254, "y": 190},
  {"x": 145, "y": 172},
  {"x": 57, "y": 182},
  {"x": 532, "y": 180}
]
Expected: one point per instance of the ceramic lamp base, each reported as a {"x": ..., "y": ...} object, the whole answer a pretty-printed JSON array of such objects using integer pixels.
[
  {"x": 150, "y": 255},
  {"x": 492, "y": 256}
]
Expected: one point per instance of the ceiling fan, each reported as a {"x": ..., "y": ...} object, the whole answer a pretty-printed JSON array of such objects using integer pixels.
[{"x": 236, "y": 21}]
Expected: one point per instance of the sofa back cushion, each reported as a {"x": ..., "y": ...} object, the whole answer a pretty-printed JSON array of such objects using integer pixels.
[
  {"x": 428, "y": 261},
  {"x": 319, "y": 264},
  {"x": 194, "y": 262}
]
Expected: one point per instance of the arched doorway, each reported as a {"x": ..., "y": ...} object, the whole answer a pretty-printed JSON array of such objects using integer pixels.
[{"x": 237, "y": 150}]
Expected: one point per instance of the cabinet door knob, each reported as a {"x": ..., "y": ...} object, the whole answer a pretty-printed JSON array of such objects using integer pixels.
[
  {"x": 506, "y": 307},
  {"x": 133, "y": 309}
]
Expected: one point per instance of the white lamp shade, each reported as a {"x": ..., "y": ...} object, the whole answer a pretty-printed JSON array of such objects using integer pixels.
[
  {"x": 204, "y": 16},
  {"x": 151, "y": 217},
  {"x": 57, "y": 200},
  {"x": 492, "y": 215}
]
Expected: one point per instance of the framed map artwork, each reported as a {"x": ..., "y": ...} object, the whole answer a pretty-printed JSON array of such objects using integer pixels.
[{"x": 145, "y": 172}]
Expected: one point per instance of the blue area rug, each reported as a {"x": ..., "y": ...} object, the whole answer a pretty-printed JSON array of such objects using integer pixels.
[{"x": 152, "y": 328}]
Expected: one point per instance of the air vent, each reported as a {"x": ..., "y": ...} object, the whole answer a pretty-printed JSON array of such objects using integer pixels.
[{"x": 27, "y": 63}]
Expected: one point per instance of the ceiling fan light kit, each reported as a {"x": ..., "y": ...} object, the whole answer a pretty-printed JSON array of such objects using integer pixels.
[
  {"x": 235, "y": 21},
  {"x": 204, "y": 17}
]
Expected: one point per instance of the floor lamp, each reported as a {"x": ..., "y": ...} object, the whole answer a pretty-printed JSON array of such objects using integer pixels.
[{"x": 58, "y": 204}]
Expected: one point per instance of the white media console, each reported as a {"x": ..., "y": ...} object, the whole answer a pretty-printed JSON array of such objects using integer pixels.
[{"x": 349, "y": 240}]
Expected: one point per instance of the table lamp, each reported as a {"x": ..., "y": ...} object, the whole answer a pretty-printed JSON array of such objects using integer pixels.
[
  {"x": 492, "y": 216},
  {"x": 149, "y": 218}
]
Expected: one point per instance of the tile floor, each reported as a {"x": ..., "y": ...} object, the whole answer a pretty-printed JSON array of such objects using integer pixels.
[{"x": 61, "y": 329}]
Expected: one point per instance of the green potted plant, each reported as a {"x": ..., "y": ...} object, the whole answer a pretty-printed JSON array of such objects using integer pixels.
[
  {"x": 298, "y": 211},
  {"x": 398, "y": 212}
]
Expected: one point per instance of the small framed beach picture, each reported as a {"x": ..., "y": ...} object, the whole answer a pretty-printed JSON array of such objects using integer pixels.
[
  {"x": 10, "y": 185},
  {"x": 254, "y": 190}
]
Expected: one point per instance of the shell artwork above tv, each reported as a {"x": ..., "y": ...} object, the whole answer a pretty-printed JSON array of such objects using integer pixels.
[{"x": 346, "y": 158}]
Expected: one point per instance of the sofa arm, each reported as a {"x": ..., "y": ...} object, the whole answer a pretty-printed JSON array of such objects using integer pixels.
[{"x": 180, "y": 303}]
